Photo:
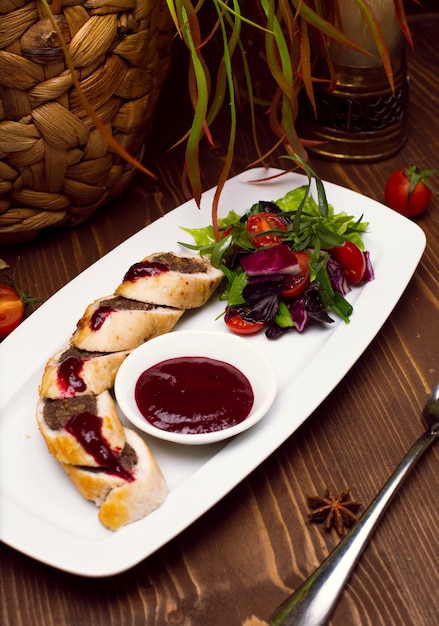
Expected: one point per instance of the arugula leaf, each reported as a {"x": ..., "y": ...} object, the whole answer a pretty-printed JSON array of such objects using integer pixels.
[
  {"x": 235, "y": 297},
  {"x": 219, "y": 250}
]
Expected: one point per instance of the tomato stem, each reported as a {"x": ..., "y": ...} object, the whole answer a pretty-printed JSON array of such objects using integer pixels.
[
  {"x": 25, "y": 298},
  {"x": 415, "y": 176}
]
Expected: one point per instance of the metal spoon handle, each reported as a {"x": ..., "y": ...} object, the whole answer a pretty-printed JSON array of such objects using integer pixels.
[{"x": 314, "y": 601}]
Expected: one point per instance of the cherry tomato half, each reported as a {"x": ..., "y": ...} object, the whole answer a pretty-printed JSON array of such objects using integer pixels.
[
  {"x": 11, "y": 310},
  {"x": 295, "y": 285},
  {"x": 407, "y": 191},
  {"x": 238, "y": 325},
  {"x": 352, "y": 259},
  {"x": 260, "y": 223}
]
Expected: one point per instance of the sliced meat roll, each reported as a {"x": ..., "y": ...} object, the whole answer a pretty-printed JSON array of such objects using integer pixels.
[
  {"x": 129, "y": 490},
  {"x": 71, "y": 372},
  {"x": 114, "y": 324},
  {"x": 184, "y": 281},
  {"x": 68, "y": 424}
]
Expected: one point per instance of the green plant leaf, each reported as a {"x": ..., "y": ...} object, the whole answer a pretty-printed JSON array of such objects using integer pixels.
[
  {"x": 375, "y": 30},
  {"x": 305, "y": 55},
  {"x": 229, "y": 47},
  {"x": 315, "y": 19},
  {"x": 402, "y": 19}
]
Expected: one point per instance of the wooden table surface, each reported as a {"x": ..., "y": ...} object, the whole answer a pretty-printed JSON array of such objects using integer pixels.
[{"x": 243, "y": 557}]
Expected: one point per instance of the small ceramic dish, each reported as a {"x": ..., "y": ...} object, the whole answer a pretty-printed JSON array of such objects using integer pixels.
[{"x": 228, "y": 348}]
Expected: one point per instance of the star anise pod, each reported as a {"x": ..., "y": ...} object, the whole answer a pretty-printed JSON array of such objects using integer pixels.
[{"x": 334, "y": 511}]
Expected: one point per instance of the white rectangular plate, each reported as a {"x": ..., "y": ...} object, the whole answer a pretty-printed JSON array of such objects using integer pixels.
[{"x": 42, "y": 514}]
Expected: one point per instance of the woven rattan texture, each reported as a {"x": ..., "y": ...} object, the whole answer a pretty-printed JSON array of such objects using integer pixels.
[{"x": 55, "y": 166}]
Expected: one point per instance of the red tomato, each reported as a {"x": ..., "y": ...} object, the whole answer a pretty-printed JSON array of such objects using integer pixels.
[
  {"x": 295, "y": 285},
  {"x": 408, "y": 192},
  {"x": 11, "y": 310},
  {"x": 260, "y": 223},
  {"x": 240, "y": 326},
  {"x": 352, "y": 259}
]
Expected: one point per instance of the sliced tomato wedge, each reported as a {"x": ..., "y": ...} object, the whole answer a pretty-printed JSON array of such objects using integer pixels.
[
  {"x": 11, "y": 310},
  {"x": 352, "y": 259},
  {"x": 260, "y": 223},
  {"x": 237, "y": 324},
  {"x": 295, "y": 285},
  {"x": 226, "y": 232}
]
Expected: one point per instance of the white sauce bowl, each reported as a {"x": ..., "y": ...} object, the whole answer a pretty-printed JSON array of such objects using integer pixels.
[{"x": 238, "y": 351}]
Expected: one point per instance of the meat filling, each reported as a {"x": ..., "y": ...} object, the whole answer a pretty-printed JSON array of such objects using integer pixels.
[
  {"x": 118, "y": 303},
  {"x": 83, "y": 355},
  {"x": 128, "y": 459},
  {"x": 58, "y": 412},
  {"x": 184, "y": 265}
]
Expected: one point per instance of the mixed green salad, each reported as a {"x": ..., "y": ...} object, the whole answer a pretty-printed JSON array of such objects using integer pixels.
[{"x": 288, "y": 263}]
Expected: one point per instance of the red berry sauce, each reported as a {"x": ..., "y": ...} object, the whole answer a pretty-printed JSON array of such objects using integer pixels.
[
  {"x": 69, "y": 377},
  {"x": 144, "y": 269},
  {"x": 87, "y": 430},
  {"x": 99, "y": 316},
  {"x": 191, "y": 395}
]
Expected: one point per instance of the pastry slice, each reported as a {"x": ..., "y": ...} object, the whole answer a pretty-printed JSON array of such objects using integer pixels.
[
  {"x": 72, "y": 372},
  {"x": 76, "y": 430},
  {"x": 163, "y": 278},
  {"x": 128, "y": 489},
  {"x": 114, "y": 324}
]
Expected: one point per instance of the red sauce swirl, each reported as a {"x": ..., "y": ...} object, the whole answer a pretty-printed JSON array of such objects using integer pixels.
[
  {"x": 69, "y": 377},
  {"x": 193, "y": 395},
  {"x": 99, "y": 316},
  {"x": 144, "y": 269},
  {"x": 86, "y": 427}
]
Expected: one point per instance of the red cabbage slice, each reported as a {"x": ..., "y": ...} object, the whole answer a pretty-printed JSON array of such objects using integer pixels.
[
  {"x": 369, "y": 274},
  {"x": 268, "y": 261},
  {"x": 337, "y": 276}
]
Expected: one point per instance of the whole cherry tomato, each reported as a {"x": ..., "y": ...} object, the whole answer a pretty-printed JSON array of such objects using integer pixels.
[
  {"x": 352, "y": 259},
  {"x": 11, "y": 310},
  {"x": 408, "y": 191},
  {"x": 260, "y": 223},
  {"x": 296, "y": 284}
]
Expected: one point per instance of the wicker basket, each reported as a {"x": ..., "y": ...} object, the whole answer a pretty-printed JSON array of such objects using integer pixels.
[{"x": 55, "y": 167}]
